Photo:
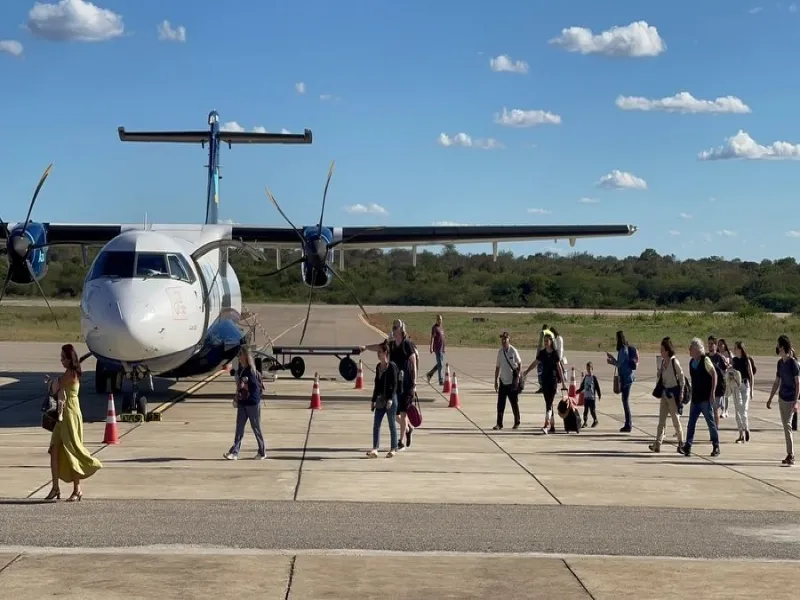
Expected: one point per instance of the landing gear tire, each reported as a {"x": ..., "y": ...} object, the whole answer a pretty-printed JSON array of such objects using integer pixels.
[
  {"x": 348, "y": 368},
  {"x": 139, "y": 406},
  {"x": 297, "y": 367}
]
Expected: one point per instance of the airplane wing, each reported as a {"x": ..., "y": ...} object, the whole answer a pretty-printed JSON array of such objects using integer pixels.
[
  {"x": 403, "y": 237},
  {"x": 201, "y": 137}
]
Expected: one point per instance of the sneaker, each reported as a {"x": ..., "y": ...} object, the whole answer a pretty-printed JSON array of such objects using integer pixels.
[
  {"x": 391, "y": 453},
  {"x": 654, "y": 448},
  {"x": 788, "y": 461},
  {"x": 260, "y": 457},
  {"x": 401, "y": 446},
  {"x": 747, "y": 435},
  {"x": 715, "y": 451},
  {"x": 625, "y": 429},
  {"x": 372, "y": 454},
  {"x": 516, "y": 426},
  {"x": 740, "y": 439},
  {"x": 230, "y": 456},
  {"x": 497, "y": 427},
  {"x": 681, "y": 449},
  {"x": 686, "y": 451},
  {"x": 408, "y": 437},
  {"x": 594, "y": 424}
]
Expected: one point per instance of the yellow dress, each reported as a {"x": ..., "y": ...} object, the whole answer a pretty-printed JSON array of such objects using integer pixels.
[{"x": 67, "y": 439}]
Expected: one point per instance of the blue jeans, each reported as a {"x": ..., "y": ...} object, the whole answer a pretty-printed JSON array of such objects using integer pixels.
[
  {"x": 695, "y": 410},
  {"x": 439, "y": 367},
  {"x": 626, "y": 405},
  {"x": 252, "y": 414},
  {"x": 391, "y": 416}
]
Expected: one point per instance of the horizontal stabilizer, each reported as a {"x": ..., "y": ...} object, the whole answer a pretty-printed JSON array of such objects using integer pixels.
[
  {"x": 175, "y": 137},
  {"x": 247, "y": 137}
]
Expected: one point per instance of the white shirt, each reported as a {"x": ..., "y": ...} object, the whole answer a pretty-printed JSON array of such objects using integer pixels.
[
  {"x": 559, "y": 346},
  {"x": 506, "y": 370}
]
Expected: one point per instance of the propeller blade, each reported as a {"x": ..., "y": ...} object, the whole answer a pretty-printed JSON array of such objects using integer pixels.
[
  {"x": 344, "y": 241},
  {"x": 325, "y": 195},
  {"x": 5, "y": 285},
  {"x": 36, "y": 281},
  {"x": 350, "y": 289},
  {"x": 308, "y": 312},
  {"x": 36, "y": 195},
  {"x": 282, "y": 269},
  {"x": 283, "y": 214}
]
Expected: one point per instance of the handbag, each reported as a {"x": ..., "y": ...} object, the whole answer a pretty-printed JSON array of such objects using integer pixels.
[
  {"x": 49, "y": 413},
  {"x": 617, "y": 387},
  {"x": 658, "y": 391},
  {"x": 380, "y": 402},
  {"x": 414, "y": 412},
  {"x": 517, "y": 383}
]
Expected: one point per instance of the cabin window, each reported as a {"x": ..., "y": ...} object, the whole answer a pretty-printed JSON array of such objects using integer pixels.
[
  {"x": 115, "y": 264},
  {"x": 151, "y": 264},
  {"x": 179, "y": 268}
]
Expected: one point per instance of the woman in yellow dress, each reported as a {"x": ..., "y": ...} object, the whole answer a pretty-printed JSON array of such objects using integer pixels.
[{"x": 70, "y": 461}]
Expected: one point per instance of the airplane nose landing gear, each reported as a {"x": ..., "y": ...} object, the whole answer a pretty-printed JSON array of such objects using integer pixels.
[{"x": 134, "y": 403}]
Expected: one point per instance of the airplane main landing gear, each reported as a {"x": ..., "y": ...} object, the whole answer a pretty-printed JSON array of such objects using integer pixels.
[{"x": 134, "y": 403}]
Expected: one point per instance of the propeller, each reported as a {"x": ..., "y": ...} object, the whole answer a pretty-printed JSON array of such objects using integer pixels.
[
  {"x": 21, "y": 247},
  {"x": 315, "y": 252}
]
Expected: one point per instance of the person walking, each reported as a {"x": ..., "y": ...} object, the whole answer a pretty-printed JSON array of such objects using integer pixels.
[
  {"x": 551, "y": 373},
  {"x": 384, "y": 401},
  {"x": 590, "y": 388},
  {"x": 507, "y": 379},
  {"x": 704, "y": 382},
  {"x": 249, "y": 386},
  {"x": 787, "y": 386},
  {"x": 671, "y": 379},
  {"x": 70, "y": 461},
  {"x": 437, "y": 348},
  {"x": 626, "y": 362},
  {"x": 741, "y": 397}
]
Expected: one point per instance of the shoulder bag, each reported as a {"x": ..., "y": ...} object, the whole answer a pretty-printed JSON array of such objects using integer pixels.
[
  {"x": 517, "y": 383},
  {"x": 617, "y": 386}
]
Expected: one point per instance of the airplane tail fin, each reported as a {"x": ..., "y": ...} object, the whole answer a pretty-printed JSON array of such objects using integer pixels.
[{"x": 214, "y": 137}]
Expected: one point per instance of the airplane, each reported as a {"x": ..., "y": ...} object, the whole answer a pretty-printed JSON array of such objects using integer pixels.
[{"x": 163, "y": 299}]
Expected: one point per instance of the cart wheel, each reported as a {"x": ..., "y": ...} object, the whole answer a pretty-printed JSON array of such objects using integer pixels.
[
  {"x": 348, "y": 368},
  {"x": 297, "y": 367}
]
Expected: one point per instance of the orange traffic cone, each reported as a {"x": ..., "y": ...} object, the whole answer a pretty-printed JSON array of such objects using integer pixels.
[
  {"x": 455, "y": 402},
  {"x": 316, "y": 400},
  {"x": 573, "y": 388},
  {"x": 360, "y": 377},
  {"x": 111, "y": 436},
  {"x": 446, "y": 386}
]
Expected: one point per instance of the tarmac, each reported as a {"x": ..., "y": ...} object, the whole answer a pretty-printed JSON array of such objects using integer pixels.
[{"x": 465, "y": 512}]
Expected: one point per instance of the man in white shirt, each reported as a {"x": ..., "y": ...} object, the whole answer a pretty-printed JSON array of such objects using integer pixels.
[{"x": 506, "y": 379}]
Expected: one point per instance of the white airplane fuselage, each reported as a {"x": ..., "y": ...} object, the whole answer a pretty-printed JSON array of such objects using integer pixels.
[{"x": 146, "y": 302}]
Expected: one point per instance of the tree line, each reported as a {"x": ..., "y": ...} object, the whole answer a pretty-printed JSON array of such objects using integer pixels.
[{"x": 543, "y": 280}]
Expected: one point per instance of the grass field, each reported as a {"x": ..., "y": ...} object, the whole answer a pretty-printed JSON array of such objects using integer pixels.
[
  {"x": 593, "y": 333},
  {"x": 35, "y": 324}
]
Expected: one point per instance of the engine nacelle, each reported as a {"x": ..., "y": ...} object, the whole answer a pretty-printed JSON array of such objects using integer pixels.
[
  {"x": 34, "y": 235},
  {"x": 319, "y": 278}
]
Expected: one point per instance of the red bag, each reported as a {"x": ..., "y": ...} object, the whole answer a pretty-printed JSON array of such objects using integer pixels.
[{"x": 414, "y": 412}]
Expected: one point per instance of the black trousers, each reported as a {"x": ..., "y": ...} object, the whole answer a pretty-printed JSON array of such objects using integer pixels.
[
  {"x": 506, "y": 392},
  {"x": 589, "y": 406}
]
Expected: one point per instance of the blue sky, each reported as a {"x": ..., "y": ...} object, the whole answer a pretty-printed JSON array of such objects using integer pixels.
[{"x": 382, "y": 80}]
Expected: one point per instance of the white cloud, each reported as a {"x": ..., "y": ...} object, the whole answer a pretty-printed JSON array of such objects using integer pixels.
[
  {"x": 449, "y": 224},
  {"x": 635, "y": 40},
  {"x": 74, "y": 20},
  {"x": 167, "y": 34},
  {"x": 526, "y": 118},
  {"x": 300, "y": 87},
  {"x": 326, "y": 96},
  {"x": 727, "y": 233},
  {"x": 503, "y": 63},
  {"x": 589, "y": 201},
  {"x": 231, "y": 126},
  {"x": 462, "y": 139},
  {"x": 743, "y": 146},
  {"x": 12, "y": 47},
  {"x": 538, "y": 211},
  {"x": 622, "y": 180},
  {"x": 375, "y": 209},
  {"x": 285, "y": 131},
  {"x": 685, "y": 216},
  {"x": 793, "y": 233},
  {"x": 674, "y": 232},
  {"x": 258, "y": 129},
  {"x": 756, "y": 10},
  {"x": 684, "y": 102}
]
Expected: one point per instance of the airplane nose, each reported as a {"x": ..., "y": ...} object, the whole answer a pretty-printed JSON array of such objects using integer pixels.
[{"x": 122, "y": 326}]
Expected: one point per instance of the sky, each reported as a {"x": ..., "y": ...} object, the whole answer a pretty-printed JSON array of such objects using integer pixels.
[{"x": 679, "y": 118}]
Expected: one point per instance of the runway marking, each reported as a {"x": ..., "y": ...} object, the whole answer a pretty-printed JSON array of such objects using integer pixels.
[
  {"x": 370, "y": 325},
  {"x": 211, "y": 550}
]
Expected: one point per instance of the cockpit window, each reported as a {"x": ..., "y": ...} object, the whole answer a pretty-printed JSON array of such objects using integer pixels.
[
  {"x": 151, "y": 264},
  {"x": 114, "y": 264},
  {"x": 179, "y": 269}
]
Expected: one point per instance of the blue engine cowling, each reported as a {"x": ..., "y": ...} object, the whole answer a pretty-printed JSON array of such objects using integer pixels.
[
  {"x": 35, "y": 234},
  {"x": 315, "y": 241}
]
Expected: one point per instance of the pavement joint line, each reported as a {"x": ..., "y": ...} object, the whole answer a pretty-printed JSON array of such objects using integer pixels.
[
  {"x": 708, "y": 459},
  {"x": 303, "y": 456},
  {"x": 503, "y": 450},
  {"x": 291, "y": 578},
  {"x": 18, "y": 556},
  {"x": 578, "y": 579},
  {"x": 211, "y": 550}
]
